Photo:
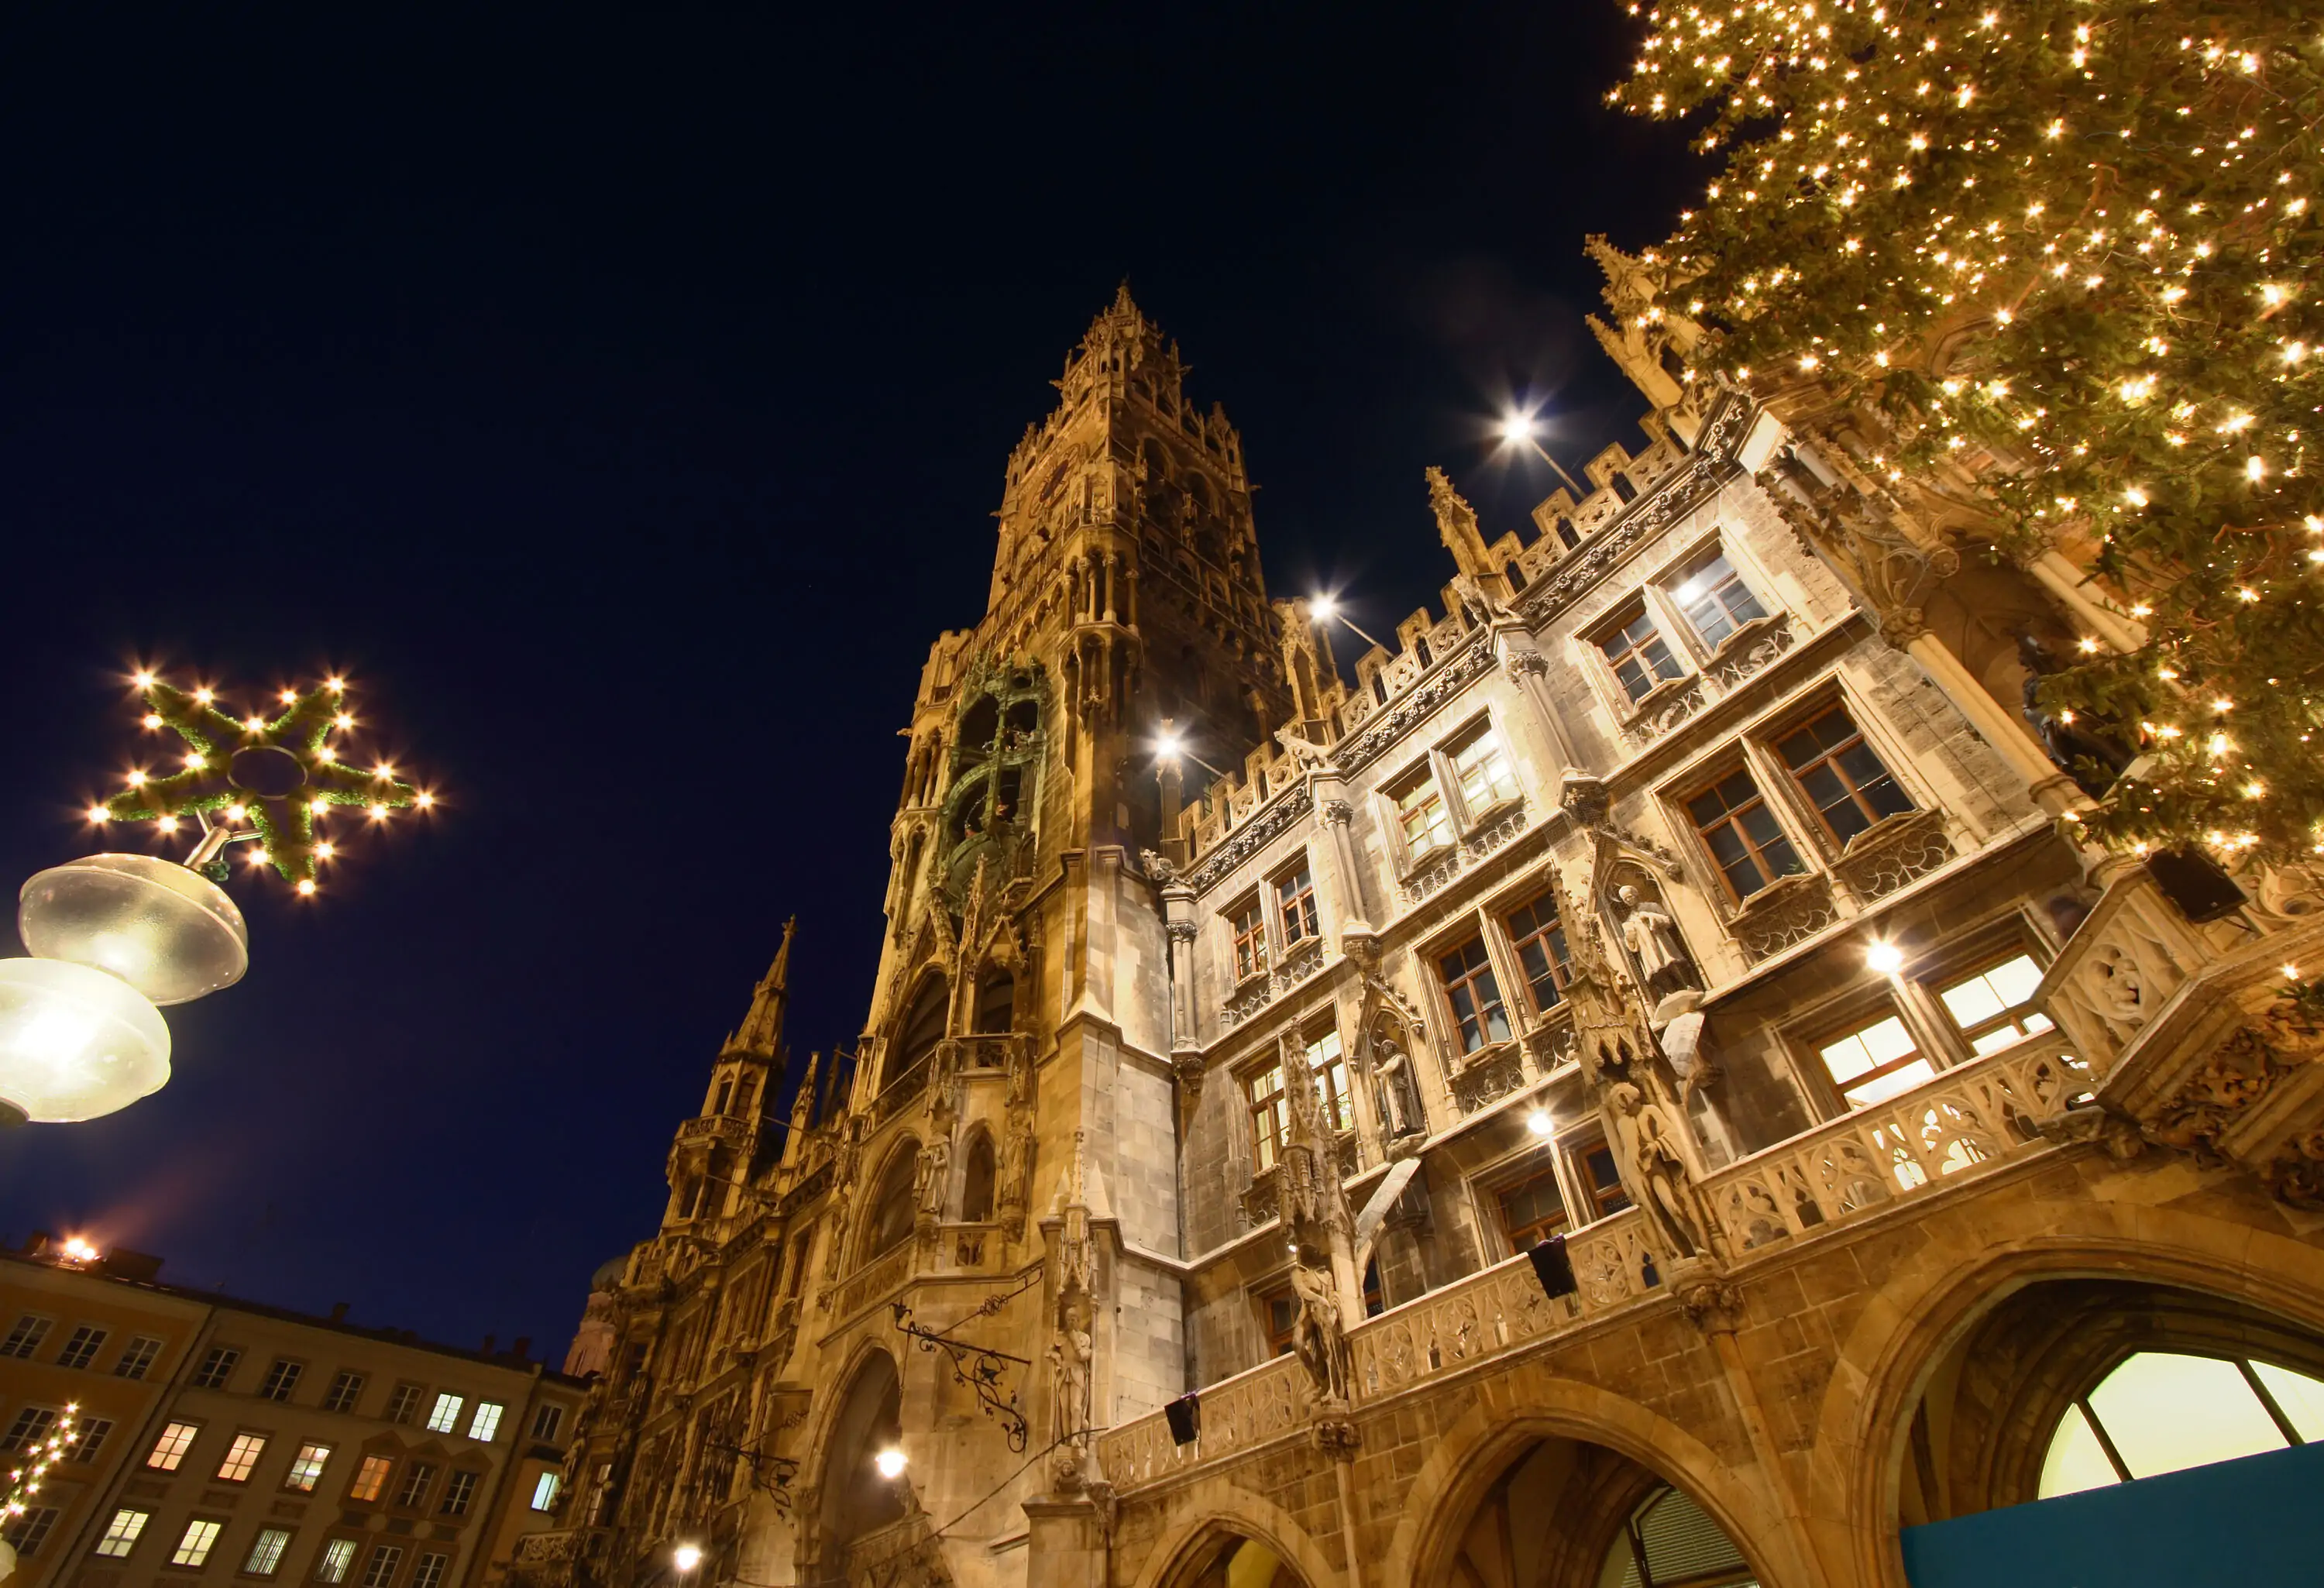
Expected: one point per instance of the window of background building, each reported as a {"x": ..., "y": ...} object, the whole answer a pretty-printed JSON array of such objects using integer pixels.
[
  {"x": 2162, "y": 1412},
  {"x": 459, "y": 1490},
  {"x": 137, "y": 1357},
  {"x": 1467, "y": 972},
  {"x": 1294, "y": 902},
  {"x": 1875, "y": 1062},
  {"x": 1533, "y": 1210},
  {"x": 89, "y": 1437},
  {"x": 31, "y": 1426},
  {"x": 170, "y": 1448},
  {"x": 1482, "y": 769},
  {"x": 1278, "y": 1310},
  {"x": 266, "y": 1552},
  {"x": 1421, "y": 817},
  {"x": 346, "y": 1390},
  {"x": 307, "y": 1468},
  {"x": 29, "y": 1529},
  {"x": 281, "y": 1379},
  {"x": 445, "y": 1415},
  {"x": 25, "y": 1338},
  {"x": 1635, "y": 649},
  {"x": 549, "y": 1418},
  {"x": 331, "y": 1566},
  {"x": 403, "y": 1403},
  {"x": 1249, "y": 927},
  {"x": 240, "y": 1457},
  {"x": 80, "y": 1350},
  {"x": 486, "y": 1422},
  {"x": 412, "y": 1493},
  {"x": 379, "y": 1571},
  {"x": 371, "y": 1478},
  {"x": 121, "y": 1534},
  {"x": 430, "y": 1572},
  {"x": 216, "y": 1368},
  {"x": 195, "y": 1543},
  {"x": 544, "y": 1491},
  {"x": 1269, "y": 1118},
  {"x": 1716, "y": 601},
  {"x": 1841, "y": 775},
  {"x": 1539, "y": 937},
  {"x": 1993, "y": 1007},
  {"x": 1744, "y": 840}
]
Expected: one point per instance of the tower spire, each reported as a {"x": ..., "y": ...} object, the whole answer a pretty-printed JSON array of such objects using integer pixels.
[{"x": 762, "y": 1028}]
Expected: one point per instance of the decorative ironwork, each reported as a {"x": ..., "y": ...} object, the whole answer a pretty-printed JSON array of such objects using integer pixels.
[
  {"x": 979, "y": 1367},
  {"x": 770, "y": 1474}
]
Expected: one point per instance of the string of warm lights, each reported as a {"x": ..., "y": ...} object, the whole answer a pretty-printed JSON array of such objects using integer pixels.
[
  {"x": 24, "y": 1479},
  {"x": 271, "y": 780},
  {"x": 2066, "y": 249}
]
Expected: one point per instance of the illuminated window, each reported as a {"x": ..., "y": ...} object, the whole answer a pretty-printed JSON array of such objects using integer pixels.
[
  {"x": 194, "y": 1545},
  {"x": 1295, "y": 901},
  {"x": 1532, "y": 1210},
  {"x": 445, "y": 1415},
  {"x": 1421, "y": 817},
  {"x": 281, "y": 1379},
  {"x": 371, "y": 1478},
  {"x": 137, "y": 1357},
  {"x": 404, "y": 1404},
  {"x": 345, "y": 1389},
  {"x": 121, "y": 1534},
  {"x": 1280, "y": 1311},
  {"x": 1539, "y": 936},
  {"x": 240, "y": 1457},
  {"x": 1249, "y": 925},
  {"x": 2160, "y": 1412},
  {"x": 1635, "y": 649},
  {"x": 1744, "y": 840},
  {"x": 331, "y": 1566},
  {"x": 31, "y": 1426},
  {"x": 430, "y": 1572},
  {"x": 216, "y": 1368},
  {"x": 80, "y": 1350},
  {"x": 1717, "y": 602},
  {"x": 412, "y": 1493},
  {"x": 1475, "y": 995},
  {"x": 1841, "y": 775},
  {"x": 486, "y": 1422},
  {"x": 459, "y": 1490},
  {"x": 379, "y": 1571},
  {"x": 29, "y": 1529},
  {"x": 170, "y": 1448},
  {"x": 544, "y": 1491},
  {"x": 87, "y": 1438},
  {"x": 1876, "y": 1062},
  {"x": 549, "y": 1419},
  {"x": 266, "y": 1552},
  {"x": 1670, "y": 1539},
  {"x": 1993, "y": 1008},
  {"x": 1269, "y": 1116},
  {"x": 307, "y": 1468},
  {"x": 1480, "y": 766},
  {"x": 25, "y": 1338}
]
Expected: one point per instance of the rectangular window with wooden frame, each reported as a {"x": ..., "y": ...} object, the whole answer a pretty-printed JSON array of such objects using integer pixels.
[
  {"x": 1746, "y": 841},
  {"x": 1716, "y": 601},
  {"x": 1533, "y": 1210},
  {"x": 1475, "y": 995},
  {"x": 1248, "y": 924},
  {"x": 1421, "y": 817},
  {"x": 82, "y": 1348},
  {"x": 1538, "y": 935},
  {"x": 1841, "y": 775},
  {"x": 1482, "y": 769},
  {"x": 1875, "y": 1060},
  {"x": 1994, "y": 1008},
  {"x": 1269, "y": 1116},
  {"x": 371, "y": 1479},
  {"x": 1278, "y": 1311},
  {"x": 1633, "y": 648},
  {"x": 1599, "y": 1181},
  {"x": 1295, "y": 905}
]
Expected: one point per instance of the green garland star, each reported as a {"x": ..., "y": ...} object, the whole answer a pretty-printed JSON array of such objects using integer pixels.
[{"x": 223, "y": 771}]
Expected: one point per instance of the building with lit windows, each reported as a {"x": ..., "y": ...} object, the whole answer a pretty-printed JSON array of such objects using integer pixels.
[
  {"x": 227, "y": 1441},
  {"x": 1637, "y": 1086}
]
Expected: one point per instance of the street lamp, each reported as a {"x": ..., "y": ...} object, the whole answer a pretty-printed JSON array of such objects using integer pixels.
[
  {"x": 1325, "y": 609},
  {"x": 1519, "y": 427},
  {"x": 686, "y": 1556},
  {"x": 1885, "y": 957},
  {"x": 890, "y": 1463},
  {"x": 1170, "y": 745}
]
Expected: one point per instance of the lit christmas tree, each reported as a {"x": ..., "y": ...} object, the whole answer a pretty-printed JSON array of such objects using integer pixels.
[{"x": 2065, "y": 250}]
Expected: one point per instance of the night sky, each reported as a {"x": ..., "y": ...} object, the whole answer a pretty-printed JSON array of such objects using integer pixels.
[{"x": 621, "y": 401}]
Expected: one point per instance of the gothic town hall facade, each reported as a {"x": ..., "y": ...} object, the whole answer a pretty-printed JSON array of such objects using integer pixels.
[{"x": 1642, "y": 1086}]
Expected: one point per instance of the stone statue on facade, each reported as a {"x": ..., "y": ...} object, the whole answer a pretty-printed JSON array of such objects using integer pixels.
[
  {"x": 1399, "y": 1091},
  {"x": 1321, "y": 1336},
  {"x": 1652, "y": 937},
  {"x": 1651, "y": 1143},
  {"x": 1309, "y": 754},
  {"x": 932, "y": 1174}
]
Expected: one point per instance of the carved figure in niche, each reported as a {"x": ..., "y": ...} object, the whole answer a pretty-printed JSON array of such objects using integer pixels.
[
  {"x": 1321, "y": 1336},
  {"x": 1069, "y": 1379},
  {"x": 1399, "y": 1091},
  {"x": 1017, "y": 1171},
  {"x": 1158, "y": 866},
  {"x": 1652, "y": 1147},
  {"x": 1652, "y": 937},
  {"x": 2121, "y": 990},
  {"x": 931, "y": 1173}
]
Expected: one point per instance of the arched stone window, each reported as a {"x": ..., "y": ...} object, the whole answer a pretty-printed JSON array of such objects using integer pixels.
[
  {"x": 976, "y": 1181},
  {"x": 996, "y": 1003},
  {"x": 2163, "y": 1411},
  {"x": 1243, "y": 1563},
  {"x": 1669, "y": 1538},
  {"x": 922, "y": 1028},
  {"x": 892, "y": 1204}
]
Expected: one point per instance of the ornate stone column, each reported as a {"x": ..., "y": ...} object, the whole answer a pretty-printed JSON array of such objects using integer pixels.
[
  {"x": 1335, "y": 815},
  {"x": 1178, "y": 924}
]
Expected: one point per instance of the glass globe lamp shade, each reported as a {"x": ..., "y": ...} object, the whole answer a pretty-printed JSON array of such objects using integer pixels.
[
  {"x": 74, "y": 1043},
  {"x": 168, "y": 932}
]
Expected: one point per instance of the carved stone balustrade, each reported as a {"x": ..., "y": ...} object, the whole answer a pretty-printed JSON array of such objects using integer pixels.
[
  {"x": 1486, "y": 1075},
  {"x": 1782, "y": 913},
  {"x": 1269, "y": 1402},
  {"x": 1891, "y": 852},
  {"x": 875, "y": 1281}
]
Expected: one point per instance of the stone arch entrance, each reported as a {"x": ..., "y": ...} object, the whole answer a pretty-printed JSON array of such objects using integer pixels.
[
  {"x": 1224, "y": 1559},
  {"x": 851, "y": 1500}
]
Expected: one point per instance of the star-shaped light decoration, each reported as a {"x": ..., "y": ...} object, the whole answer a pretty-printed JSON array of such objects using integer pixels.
[{"x": 278, "y": 773}]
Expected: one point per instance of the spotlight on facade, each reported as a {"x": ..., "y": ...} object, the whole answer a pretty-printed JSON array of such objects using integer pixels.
[
  {"x": 79, "y": 1251},
  {"x": 686, "y": 1556},
  {"x": 1539, "y": 1122},
  {"x": 1885, "y": 957},
  {"x": 890, "y": 1463}
]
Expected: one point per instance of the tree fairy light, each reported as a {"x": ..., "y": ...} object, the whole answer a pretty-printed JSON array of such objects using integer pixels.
[{"x": 2064, "y": 249}]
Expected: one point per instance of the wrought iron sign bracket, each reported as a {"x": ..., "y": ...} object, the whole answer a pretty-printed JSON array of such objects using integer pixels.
[{"x": 980, "y": 1367}]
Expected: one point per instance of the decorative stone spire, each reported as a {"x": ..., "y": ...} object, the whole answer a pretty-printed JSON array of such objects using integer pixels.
[
  {"x": 1456, "y": 521},
  {"x": 762, "y": 1028}
]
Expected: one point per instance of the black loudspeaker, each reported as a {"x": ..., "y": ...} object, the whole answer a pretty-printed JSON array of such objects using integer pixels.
[
  {"x": 1185, "y": 1415},
  {"x": 1553, "y": 1268},
  {"x": 2201, "y": 891}
]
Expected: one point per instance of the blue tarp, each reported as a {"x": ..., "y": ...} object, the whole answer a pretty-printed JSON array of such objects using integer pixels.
[{"x": 2256, "y": 1520}]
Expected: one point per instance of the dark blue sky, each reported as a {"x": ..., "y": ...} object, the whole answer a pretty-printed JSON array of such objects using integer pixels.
[{"x": 621, "y": 401}]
